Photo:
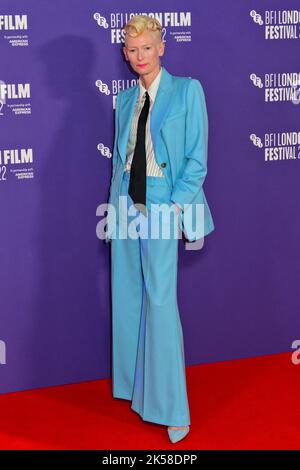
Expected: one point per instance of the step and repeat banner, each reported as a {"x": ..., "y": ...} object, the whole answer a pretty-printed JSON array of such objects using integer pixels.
[{"x": 61, "y": 68}]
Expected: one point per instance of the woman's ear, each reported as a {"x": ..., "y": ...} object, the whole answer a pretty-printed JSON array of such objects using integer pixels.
[
  {"x": 161, "y": 49},
  {"x": 125, "y": 52}
]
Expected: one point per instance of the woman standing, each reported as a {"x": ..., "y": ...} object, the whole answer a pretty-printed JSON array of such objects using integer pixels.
[{"x": 159, "y": 161}]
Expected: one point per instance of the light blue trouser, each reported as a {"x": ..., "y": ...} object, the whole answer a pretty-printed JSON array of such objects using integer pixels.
[{"x": 148, "y": 350}]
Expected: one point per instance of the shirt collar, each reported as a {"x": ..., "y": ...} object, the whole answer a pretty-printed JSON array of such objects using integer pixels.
[{"x": 152, "y": 90}]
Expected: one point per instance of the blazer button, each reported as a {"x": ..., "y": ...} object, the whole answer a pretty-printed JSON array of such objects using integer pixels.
[{"x": 163, "y": 165}]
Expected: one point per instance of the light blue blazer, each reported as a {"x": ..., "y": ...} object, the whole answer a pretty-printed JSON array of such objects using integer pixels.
[{"x": 179, "y": 131}]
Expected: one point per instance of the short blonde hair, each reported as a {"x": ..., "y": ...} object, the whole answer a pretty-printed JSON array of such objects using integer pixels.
[{"x": 140, "y": 23}]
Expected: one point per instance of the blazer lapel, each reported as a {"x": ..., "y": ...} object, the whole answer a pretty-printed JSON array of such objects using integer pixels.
[{"x": 158, "y": 114}]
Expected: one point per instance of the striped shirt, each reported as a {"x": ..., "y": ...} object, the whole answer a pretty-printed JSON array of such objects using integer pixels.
[{"x": 152, "y": 168}]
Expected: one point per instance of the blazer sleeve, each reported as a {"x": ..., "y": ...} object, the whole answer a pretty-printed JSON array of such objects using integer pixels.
[{"x": 196, "y": 143}]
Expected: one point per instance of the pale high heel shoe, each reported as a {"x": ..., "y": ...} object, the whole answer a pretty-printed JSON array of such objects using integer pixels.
[{"x": 176, "y": 435}]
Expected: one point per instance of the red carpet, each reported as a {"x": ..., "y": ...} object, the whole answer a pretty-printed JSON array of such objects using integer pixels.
[{"x": 242, "y": 404}]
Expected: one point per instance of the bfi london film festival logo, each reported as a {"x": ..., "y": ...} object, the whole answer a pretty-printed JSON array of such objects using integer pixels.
[
  {"x": 114, "y": 87},
  {"x": 2, "y": 352},
  {"x": 17, "y": 163},
  {"x": 105, "y": 151},
  {"x": 278, "y": 24},
  {"x": 278, "y": 86},
  {"x": 15, "y": 97},
  {"x": 278, "y": 146},
  {"x": 11, "y": 27},
  {"x": 175, "y": 24}
]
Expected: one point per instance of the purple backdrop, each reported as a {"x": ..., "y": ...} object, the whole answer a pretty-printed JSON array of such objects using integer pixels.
[{"x": 61, "y": 66}]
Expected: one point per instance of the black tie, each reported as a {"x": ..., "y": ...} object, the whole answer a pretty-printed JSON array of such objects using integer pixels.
[{"x": 137, "y": 183}]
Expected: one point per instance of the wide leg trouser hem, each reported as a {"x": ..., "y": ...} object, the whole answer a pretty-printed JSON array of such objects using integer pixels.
[
  {"x": 121, "y": 397},
  {"x": 156, "y": 420}
]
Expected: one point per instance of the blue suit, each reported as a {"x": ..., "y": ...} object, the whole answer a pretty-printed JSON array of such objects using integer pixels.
[
  {"x": 148, "y": 362},
  {"x": 179, "y": 130}
]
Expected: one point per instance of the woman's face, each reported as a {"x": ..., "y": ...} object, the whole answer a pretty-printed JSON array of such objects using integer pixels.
[{"x": 143, "y": 52}]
